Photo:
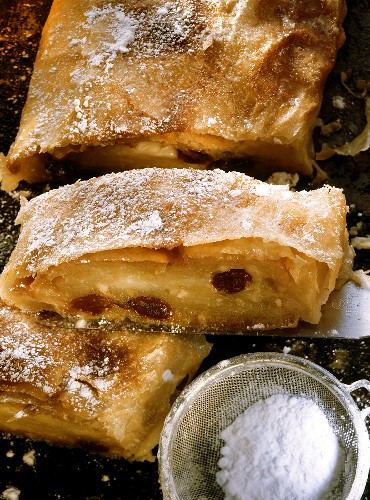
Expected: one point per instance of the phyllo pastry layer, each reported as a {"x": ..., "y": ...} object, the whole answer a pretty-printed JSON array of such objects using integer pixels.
[
  {"x": 183, "y": 248},
  {"x": 180, "y": 83},
  {"x": 108, "y": 392}
]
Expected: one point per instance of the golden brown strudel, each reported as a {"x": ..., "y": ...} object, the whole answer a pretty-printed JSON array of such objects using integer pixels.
[
  {"x": 179, "y": 248},
  {"x": 125, "y": 84},
  {"x": 108, "y": 392}
]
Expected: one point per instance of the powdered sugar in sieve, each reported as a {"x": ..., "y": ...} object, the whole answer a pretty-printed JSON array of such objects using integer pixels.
[{"x": 192, "y": 447}]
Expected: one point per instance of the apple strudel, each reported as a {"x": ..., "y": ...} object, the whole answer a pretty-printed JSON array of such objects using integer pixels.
[
  {"x": 122, "y": 84},
  {"x": 179, "y": 249},
  {"x": 108, "y": 392}
]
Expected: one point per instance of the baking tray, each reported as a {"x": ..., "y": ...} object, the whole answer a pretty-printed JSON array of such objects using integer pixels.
[{"x": 39, "y": 470}]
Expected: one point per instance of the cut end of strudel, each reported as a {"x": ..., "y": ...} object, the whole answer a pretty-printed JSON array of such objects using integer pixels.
[
  {"x": 179, "y": 249},
  {"x": 108, "y": 392},
  {"x": 177, "y": 84}
]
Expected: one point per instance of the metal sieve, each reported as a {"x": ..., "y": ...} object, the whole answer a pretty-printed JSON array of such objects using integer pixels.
[{"x": 190, "y": 442}]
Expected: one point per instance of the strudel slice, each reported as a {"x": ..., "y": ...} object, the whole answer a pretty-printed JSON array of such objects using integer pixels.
[
  {"x": 179, "y": 248},
  {"x": 108, "y": 392},
  {"x": 119, "y": 84}
]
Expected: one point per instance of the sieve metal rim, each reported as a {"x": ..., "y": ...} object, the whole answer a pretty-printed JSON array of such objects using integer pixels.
[{"x": 233, "y": 366}]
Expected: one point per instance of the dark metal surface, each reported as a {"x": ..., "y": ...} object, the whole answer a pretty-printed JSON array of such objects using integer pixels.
[{"x": 41, "y": 471}]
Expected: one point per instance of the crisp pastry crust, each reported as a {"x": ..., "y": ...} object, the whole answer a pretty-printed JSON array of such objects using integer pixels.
[
  {"x": 126, "y": 84},
  {"x": 180, "y": 249},
  {"x": 106, "y": 391}
]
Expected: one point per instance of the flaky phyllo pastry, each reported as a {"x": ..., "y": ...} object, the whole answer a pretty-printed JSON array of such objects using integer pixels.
[
  {"x": 107, "y": 392},
  {"x": 122, "y": 84},
  {"x": 179, "y": 249}
]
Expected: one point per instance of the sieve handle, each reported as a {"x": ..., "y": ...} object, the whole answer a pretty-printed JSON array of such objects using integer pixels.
[{"x": 360, "y": 384}]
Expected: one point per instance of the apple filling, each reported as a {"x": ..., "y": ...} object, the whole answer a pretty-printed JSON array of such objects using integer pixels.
[
  {"x": 112, "y": 158},
  {"x": 234, "y": 285}
]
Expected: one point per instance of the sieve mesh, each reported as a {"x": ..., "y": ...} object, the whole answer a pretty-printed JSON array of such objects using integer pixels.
[{"x": 190, "y": 444}]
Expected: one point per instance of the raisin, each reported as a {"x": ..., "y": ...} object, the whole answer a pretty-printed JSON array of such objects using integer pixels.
[
  {"x": 150, "y": 307},
  {"x": 93, "y": 304},
  {"x": 14, "y": 167},
  {"x": 193, "y": 157},
  {"x": 231, "y": 281},
  {"x": 48, "y": 316},
  {"x": 28, "y": 280}
]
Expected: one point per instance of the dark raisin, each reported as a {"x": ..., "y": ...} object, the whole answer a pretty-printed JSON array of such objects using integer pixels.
[
  {"x": 14, "y": 167},
  {"x": 93, "y": 304},
  {"x": 193, "y": 157},
  {"x": 150, "y": 307},
  {"x": 48, "y": 316},
  {"x": 231, "y": 281}
]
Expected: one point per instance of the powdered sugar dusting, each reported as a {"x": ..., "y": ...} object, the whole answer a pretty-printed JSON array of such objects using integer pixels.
[
  {"x": 81, "y": 122},
  {"x": 142, "y": 33},
  {"x": 165, "y": 208},
  {"x": 123, "y": 71},
  {"x": 119, "y": 30},
  {"x": 147, "y": 224},
  {"x": 106, "y": 385},
  {"x": 30, "y": 354},
  {"x": 55, "y": 361}
]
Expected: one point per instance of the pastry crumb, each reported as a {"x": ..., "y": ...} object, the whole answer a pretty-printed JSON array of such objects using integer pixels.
[
  {"x": 338, "y": 102},
  {"x": 361, "y": 242},
  {"x": 29, "y": 458},
  {"x": 11, "y": 493},
  {"x": 281, "y": 178}
]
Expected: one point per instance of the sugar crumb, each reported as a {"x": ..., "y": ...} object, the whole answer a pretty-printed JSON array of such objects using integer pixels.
[{"x": 167, "y": 376}]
